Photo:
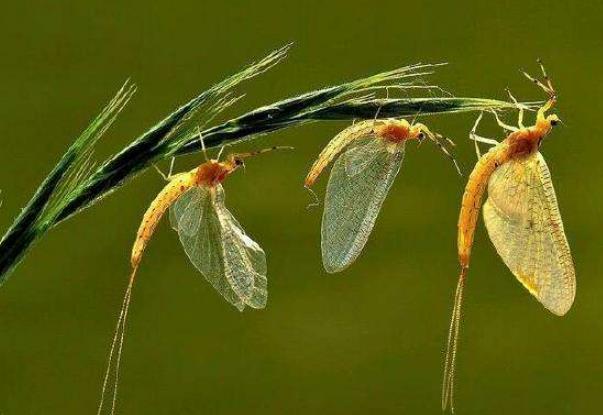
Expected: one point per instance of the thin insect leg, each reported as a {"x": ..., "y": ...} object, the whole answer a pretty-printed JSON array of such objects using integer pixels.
[
  {"x": 403, "y": 88},
  {"x": 202, "y": 143},
  {"x": 502, "y": 124},
  {"x": 449, "y": 142},
  {"x": 548, "y": 88},
  {"x": 220, "y": 153},
  {"x": 430, "y": 88},
  {"x": 162, "y": 174},
  {"x": 545, "y": 76},
  {"x": 171, "y": 167},
  {"x": 380, "y": 106},
  {"x": 520, "y": 109},
  {"x": 436, "y": 139},
  {"x": 415, "y": 117},
  {"x": 536, "y": 81},
  {"x": 406, "y": 87},
  {"x": 485, "y": 140},
  {"x": 472, "y": 135},
  {"x": 262, "y": 151},
  {"x": 451, "y": 157}
]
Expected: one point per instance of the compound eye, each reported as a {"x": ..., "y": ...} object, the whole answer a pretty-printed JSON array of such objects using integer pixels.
[
  {"x": 238, "y": 162},
  {"x": 421, "y": 136},
  {"x": 554, "y": 122}
]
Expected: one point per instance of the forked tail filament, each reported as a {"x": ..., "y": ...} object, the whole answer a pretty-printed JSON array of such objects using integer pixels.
[
  {"x": 118, "y": 340},
  {"x": 453, "y": 335}
]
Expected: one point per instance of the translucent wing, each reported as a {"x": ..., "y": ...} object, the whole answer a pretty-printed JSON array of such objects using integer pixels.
[
  {"x": 219, "y": 248},
  {"x": 361, "y": 131},
  {"x": 359, "y": 157},
  {"x": 355, "y": 193},
  {"x": 187, "y": 212},
  {"x": 523, "y": 221}
]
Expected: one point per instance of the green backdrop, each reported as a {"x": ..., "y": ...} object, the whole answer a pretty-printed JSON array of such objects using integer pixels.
[{"x": 369, "y": 340}]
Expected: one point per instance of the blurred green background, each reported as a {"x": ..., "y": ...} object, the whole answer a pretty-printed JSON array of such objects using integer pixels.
[{"x": 369, "y": 340}]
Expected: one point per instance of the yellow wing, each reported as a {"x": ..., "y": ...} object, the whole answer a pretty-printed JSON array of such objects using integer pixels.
[{"x": 524, "y": 224}]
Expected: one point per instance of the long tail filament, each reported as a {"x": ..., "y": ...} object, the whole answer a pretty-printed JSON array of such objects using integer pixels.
[
  {"x": 453, "y": 335},
  {"x": 118, "y": 340}
]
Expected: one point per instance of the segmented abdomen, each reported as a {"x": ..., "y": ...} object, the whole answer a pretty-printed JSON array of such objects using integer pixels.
[
  {"x": 472, "y": 201},
  {"x": 177, "y": 186}
]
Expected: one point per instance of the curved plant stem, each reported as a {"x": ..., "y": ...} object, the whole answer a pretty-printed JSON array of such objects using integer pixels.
[{"x": 73, "y": 185}]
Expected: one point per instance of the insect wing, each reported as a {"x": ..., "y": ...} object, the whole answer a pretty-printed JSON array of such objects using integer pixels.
[
  {"x": 524, "y": 224},
  {"x": 353, "y": 199},
  {"x": 359, "y": 157},
  {"x": 244, "y": 260},
  {"x": 186, "y": 213},
  {"x": 357, "y": 133},
  {"x": 233, "y": 264}
]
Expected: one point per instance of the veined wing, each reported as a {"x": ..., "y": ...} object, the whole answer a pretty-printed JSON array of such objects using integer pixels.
[
  {"x": 362, "y": 155},
  {"x": 355, "y": 193},
  {"x": 361, "y": 131},
  {"x": 219, "y": 248},
  {"x": 524, "y": 223},
  {"x": 186, "y": 213}
]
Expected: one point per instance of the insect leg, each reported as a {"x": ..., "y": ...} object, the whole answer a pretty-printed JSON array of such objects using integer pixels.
[
  {"x": 169, "y": 176},
  {"x": 220, "y": 153},
  {"x": 546, "y": 78},
  {"x": 506, "y": 127},
  {"x": 381, "y": 106},
  {"x": 477, "y": 138},
  {"x": 546, "y": 87},
  {"x": 520, "y": 108},
  {"x": 436, "y": 139},
  {"x": 171, "y": 167},
  {"x": 162, "y": 174},
  {"x": 202, "y": 143}
]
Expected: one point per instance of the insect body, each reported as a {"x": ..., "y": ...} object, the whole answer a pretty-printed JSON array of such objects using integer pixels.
[
  {"x": 369, "y": 155},
  {"x": 522, "y": 219},
  {"x": 212, "y": 238}
]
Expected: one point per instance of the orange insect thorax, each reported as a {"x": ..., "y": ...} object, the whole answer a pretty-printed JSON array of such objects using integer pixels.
[
  {"x": 213, "y": 172},
  {"x": 394, "y": 131}
]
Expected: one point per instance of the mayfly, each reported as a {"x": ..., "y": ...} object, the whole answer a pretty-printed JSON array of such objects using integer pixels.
[
  {"x": 521, "y": 216},
  {"x": 214, "y": 241},
  {"x": 372, "y": 152}
]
